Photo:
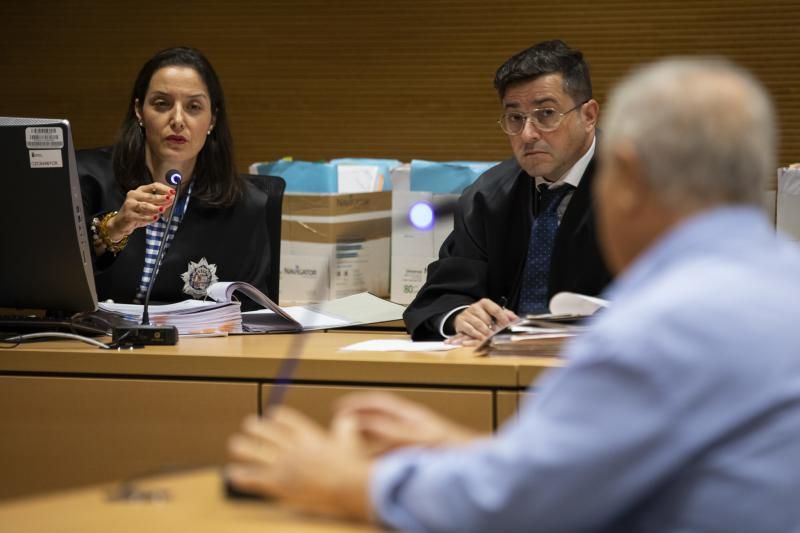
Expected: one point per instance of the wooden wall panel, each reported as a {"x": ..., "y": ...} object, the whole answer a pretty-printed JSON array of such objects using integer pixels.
[{"x": 412, "y": 79}]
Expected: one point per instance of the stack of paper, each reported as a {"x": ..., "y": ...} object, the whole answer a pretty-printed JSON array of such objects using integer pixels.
[
  {"x": 523, "y": 339},
  {"x": 544, "y": 335},
  {"x": 191, "y": 317}
]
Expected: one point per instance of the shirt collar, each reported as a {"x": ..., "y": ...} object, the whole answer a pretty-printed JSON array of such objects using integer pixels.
[
  {"x": 574, "y": 175},
  {"x": 705, "y": 233}
]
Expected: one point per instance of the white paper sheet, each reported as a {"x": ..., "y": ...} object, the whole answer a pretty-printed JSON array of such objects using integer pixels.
[
  {"x": 357, "y": 178},
  {"x": 361, "y": 308},
  {"x": 308, "y": 319},
  {"x": 390, "y": 345},
  {"x": 572, "y": 303}
]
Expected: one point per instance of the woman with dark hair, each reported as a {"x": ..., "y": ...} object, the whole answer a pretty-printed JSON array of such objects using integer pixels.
[{"x": 176, "y": 120}]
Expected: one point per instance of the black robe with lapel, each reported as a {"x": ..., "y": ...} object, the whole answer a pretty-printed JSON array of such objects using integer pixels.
[
  {"x": 485, "y": 254},
  {"x": 234, "y": 239}
]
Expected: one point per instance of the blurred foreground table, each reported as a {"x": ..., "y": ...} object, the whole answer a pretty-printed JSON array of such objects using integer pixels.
[
  {"x": 191, "y": 501},
  {"x": 72, "y": 414}
]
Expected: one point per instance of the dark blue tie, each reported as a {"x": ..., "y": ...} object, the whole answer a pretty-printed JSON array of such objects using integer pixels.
[{"x": 535, "y": 277}]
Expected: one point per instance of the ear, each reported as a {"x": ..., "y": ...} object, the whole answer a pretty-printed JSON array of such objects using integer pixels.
[
  {"x": 137, "y": 108},
  {"x": 213, "y": 121},
  {"x": 590, "y": 112},
  {"x": 631, "y": 190}
]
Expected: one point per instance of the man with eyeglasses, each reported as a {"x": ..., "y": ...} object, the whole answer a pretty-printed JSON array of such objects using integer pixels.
[{"x": 525, "y": 229}]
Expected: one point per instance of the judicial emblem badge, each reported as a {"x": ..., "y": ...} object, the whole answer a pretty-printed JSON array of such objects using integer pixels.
[{"x": 198, "y": 277}]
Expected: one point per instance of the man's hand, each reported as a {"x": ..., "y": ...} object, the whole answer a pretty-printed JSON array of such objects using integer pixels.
[
  {"x": 292, "y": 458},
  {"x": 387, "y": 421},
  {"x": 480, "y": 320}
]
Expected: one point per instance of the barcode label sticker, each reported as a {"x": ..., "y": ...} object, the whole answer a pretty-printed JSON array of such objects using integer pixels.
[
  {"x": 44, "y": 137},
  {"x": 46, "y": 158}
]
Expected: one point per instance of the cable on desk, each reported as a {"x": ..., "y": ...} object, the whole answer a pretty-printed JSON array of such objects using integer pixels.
[
  {"x": 92, "y": 319},
  {"x": 19, "y": 339}
]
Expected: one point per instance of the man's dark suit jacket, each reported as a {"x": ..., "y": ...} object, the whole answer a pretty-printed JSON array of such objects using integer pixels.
[
  {"x": 485, "y": 254},
  {"x": 235, "y": 239}
]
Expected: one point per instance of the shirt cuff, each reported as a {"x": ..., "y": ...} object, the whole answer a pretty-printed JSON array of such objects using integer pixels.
[
  {"x": 444, "y": 321},
  {"x": 390, "y": 474}
]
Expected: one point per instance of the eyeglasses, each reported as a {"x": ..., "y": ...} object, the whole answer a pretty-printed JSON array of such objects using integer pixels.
[{"x": 543, "y": 119}]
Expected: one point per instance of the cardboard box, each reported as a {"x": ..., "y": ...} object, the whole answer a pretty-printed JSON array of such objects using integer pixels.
[
  {"x": 334, "y": 245},
  {"x": 349, "y": 175},
  {"x": 788, "y": 202},
  {"x": 414, "y": 249}
]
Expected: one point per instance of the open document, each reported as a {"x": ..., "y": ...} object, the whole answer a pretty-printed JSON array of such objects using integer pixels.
[
  {"x": 544, "y": 334},
  {"x": 355, "y": 310},
  {"x": 222, "y": 314},
  {"x": 273, "y": 319}
]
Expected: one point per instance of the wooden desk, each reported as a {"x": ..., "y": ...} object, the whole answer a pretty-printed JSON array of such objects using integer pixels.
[
  {"x": 397, "y": 326},
  {"x": 194, "y": 503},
  {"x": 71, "y": 414}
]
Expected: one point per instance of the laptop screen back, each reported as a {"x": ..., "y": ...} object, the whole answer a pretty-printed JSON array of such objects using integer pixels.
[{"x": 45, "y": 259}]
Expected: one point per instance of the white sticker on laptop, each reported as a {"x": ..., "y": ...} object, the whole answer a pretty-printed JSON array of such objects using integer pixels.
[
  {"x": 44, "y": 137},
  {"x": 45, "y": 158}
]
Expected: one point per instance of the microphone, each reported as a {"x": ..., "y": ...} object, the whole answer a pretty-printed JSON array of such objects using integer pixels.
[
  {"x": 422, "y": 215},
  {"x": 174, "y": 177},
  {"x": 145, "y": 334}
]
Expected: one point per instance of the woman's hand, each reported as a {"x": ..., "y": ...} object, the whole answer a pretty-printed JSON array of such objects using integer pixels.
[{"x": 142, "y": 206}]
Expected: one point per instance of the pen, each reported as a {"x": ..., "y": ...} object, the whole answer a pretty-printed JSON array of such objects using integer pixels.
[
  {"x": 282, "y": 382},
  {"x": 502, "y": 302},
  {"x": 283, "y": 378}
]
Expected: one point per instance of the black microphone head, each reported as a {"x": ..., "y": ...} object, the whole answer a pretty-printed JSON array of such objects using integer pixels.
[{"x": 174, "y": 177}]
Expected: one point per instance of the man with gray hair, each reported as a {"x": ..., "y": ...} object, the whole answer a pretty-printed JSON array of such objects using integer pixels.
[{"x": 678, "y": 409}]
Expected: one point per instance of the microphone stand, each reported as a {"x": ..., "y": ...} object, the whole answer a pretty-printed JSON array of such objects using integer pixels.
[{"x": 146, "y": 334}]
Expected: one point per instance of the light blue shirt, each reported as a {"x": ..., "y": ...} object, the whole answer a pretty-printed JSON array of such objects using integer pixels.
[{"x": 678, "y": 411}]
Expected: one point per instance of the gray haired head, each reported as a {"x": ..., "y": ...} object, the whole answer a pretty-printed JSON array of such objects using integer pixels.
[{"x": 703, "y": 129}]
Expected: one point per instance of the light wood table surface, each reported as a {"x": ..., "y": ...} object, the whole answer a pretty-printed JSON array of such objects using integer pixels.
[
  {"x": 194, "y": 502},
  {"x": 259, "y": 356}
]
